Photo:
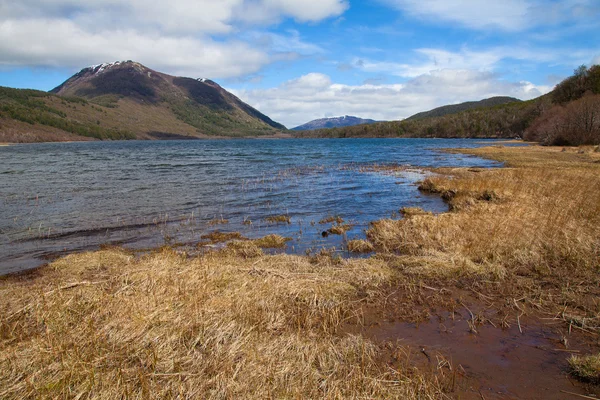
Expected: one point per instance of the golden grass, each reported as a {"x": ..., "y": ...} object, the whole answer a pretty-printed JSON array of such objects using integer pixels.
[
  {"x": 277, "y": 219},
  {"x": 533, "y": 226},
  {"x": 328, "y": 220},
  {"x": 222, "y": 237},
  {"x": 106, "y": 325},
  {"x": 360, "y": 246},
  {"x": 272, "y": 242},
  {"x": 339, "y": 229},
  {"x": 586, "y": 368},
  {"x": 218, "y": 221},
  {"x": 408, "y": 212}
]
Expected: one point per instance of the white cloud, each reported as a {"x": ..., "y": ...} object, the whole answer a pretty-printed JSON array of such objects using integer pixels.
[
  {"x": 59, "y": 43},
  {"x": 596, "y": 60},
  {"x": 208, "y": 16},
  {"x": 174, "y": 36},
  {"x": 428, "y": 60},
  {"x": 315, "y": 96},
  {"x": 431, "y": 60}
]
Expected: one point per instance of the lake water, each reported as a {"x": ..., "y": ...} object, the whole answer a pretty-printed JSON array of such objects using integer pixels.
[{"x": 65, "y": 197}]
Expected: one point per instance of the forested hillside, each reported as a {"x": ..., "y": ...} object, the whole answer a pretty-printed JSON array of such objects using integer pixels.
[{"x": 570, "y": 114}]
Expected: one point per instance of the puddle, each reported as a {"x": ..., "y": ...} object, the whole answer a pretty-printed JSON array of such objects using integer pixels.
[{"x": 494, "y": 363}]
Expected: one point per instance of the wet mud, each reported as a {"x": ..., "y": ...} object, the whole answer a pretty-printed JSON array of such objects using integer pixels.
[{"x": 526, "y": 360}]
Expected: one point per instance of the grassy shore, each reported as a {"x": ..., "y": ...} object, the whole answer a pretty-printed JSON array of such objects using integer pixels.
[{"x": 236, "y": 323}]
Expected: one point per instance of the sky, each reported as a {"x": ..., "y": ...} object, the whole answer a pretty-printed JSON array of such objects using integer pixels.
[{"x": 299, "y": 60}]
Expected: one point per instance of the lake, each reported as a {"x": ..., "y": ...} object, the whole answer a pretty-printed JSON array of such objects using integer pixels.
[{"x": 57, "y": 198}]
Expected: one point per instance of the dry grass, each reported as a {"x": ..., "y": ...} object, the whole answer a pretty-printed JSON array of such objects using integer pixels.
[
  {"x": 533, "y": 227},
  {"x": 586, "y": 368},
  {"x": 328, "y": 220},
  {"x": 230, "y": 324},
  {"x": 272, "y": 242},
  {"x": 222, "y": 237},
  {"x": 279, "y": 219},
  {"x": 339, "y": 229},
  {"x": 218, "y": 221},
  {"x": 360, "y": 246},
  {"x": 408, "y": 212}
]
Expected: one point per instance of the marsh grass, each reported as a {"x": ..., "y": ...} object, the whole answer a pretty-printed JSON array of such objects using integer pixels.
[
  {"x": 339, "y": 229},
  {"x": 218, "y": 221},
  {"x": 586, "y": 368},
  {"x": 360, "y": 246},
  {"x": 531, "y": 228},
  {"x": 408, "y": 212},
  {"x": 222, "y": 237},
  {"x": 279, "y": 219},
  {"x": 272, "y": 242},
  {"x": 328, "y": 220},
  {"x": 230, "y": 324}
]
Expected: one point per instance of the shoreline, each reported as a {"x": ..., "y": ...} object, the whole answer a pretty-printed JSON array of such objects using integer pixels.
[
  {"x": 271, "y": 137},
  {"x": 474, "y": 270}
]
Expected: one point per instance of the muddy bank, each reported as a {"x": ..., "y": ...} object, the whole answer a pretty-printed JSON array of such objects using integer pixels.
[{"x": 483, "y": 359}]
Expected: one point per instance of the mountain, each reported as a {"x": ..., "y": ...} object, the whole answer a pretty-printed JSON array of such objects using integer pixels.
[
  {"x": 336, "y": 122},
  {"x": 507, "y": 120},
  {"x": 469, "y": 105},
  {"x": 126, "y": 100}
]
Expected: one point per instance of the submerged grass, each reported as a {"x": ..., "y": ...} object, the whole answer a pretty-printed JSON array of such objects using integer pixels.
[{"x": 279, "y": 219}]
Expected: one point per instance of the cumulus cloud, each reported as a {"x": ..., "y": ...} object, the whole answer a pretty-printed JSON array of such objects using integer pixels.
[
  {"x": 59, "y": 43},
  {"x": 175, "y": 36},
  {"x": 315, "y": 95}
]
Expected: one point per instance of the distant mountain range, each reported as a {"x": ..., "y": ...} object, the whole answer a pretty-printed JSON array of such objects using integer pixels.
[
  {"x": 126, "y": 100},
  {"x": 336, "y": 122},
  {"x": 469, "y": 105},
  {"x": 496, "y": 117}
]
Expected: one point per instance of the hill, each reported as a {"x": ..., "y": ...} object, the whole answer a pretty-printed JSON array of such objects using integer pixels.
[
  {"x": 569, "y": 115},
  {"x": 469, "y": 105},
  {"x": 126, "y": 100},
  {"x": 335, "y": 122}
]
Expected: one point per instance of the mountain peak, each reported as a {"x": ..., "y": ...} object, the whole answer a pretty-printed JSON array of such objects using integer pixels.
[
  {"x": 200, "y": 103},
  {"x": 334, "y": 122}
]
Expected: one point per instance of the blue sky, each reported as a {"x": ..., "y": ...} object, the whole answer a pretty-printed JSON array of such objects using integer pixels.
[{"x": 298, "y": 60}]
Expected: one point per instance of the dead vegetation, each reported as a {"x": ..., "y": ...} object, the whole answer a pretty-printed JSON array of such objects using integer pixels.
[
  {"x": 279, "y": 219},
  {"x": 218, "y": 221},
  {"x": 222, "y": 237},
  {"x": 360, "y": 246},
  {"x": 339, "y": 229},
  {"x": 586, "y": 368},
  {"x": 272, "y": 242},
  {"x": 231, "y": 324},
  {"x": 527, "y": 232},
  {"x": 408, "y": 212},
  {"x": 331, "y": 219}
]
